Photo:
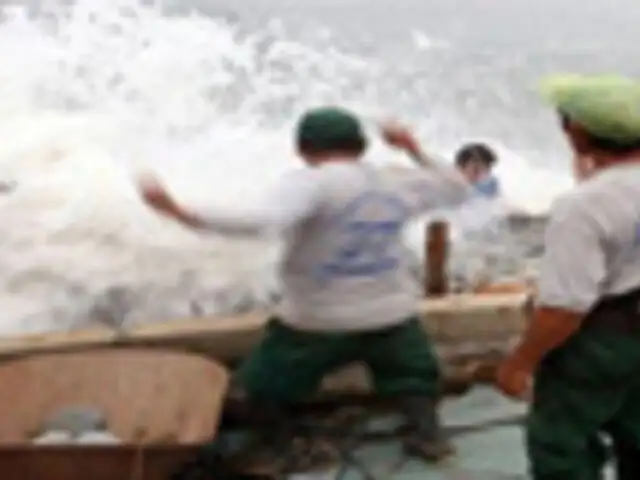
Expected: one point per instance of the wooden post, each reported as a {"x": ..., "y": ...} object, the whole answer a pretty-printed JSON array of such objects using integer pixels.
[{"x": 436, "y": 256}]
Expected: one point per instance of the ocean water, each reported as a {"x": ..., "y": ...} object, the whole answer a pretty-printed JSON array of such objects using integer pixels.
[{"x": 205, "y": 93}]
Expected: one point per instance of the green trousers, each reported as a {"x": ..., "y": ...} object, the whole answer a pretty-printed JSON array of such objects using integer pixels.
[
  {"x": 590, "y": 385},
  {"x": 289, "y": 365}
]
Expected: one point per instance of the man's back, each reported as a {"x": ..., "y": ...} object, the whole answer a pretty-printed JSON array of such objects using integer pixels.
[{"x": 345, "y": 267}]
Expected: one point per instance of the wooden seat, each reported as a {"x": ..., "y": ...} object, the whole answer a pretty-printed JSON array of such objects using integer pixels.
[{"x": 147, "y": 396}]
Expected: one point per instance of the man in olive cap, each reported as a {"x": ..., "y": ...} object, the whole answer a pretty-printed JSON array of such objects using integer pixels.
[
  {"x": 348, "y": 294},
  {"x": 583, "y": 344}
]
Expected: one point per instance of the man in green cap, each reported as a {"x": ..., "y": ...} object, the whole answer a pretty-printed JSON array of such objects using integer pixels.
[
  {"x": 348, "y": 294},
  {"x": 583, "y": 344}
]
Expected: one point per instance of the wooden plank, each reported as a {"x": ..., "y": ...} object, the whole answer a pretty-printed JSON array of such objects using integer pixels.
[{"x": 454, "y": 319}]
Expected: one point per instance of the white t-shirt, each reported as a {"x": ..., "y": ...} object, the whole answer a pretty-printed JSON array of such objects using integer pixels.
[
  {"x": 592, "y": 243},
  {"x": 345, "y": 265}
]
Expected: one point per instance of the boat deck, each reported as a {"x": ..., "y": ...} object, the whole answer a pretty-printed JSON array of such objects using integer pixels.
[{"x": 494, "y": 453}]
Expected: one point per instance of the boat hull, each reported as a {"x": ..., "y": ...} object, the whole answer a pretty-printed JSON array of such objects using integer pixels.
[{"x": 465, "y": 329}]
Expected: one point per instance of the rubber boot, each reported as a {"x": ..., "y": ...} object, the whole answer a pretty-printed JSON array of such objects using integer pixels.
[{"x": 426, "y": 440}]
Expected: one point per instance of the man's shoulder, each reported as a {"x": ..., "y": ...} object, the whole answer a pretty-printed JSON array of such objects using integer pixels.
[
  {"x": 301, "y": 184},
  {"x": 583, "y": 201},
  {"x": 590, "y": 194},
  {"x": 569, "y": 201},
  {"x": 319, "y": 181},
  {"x": 397, "y": 169},
  {"x": 302, "y": 177}
]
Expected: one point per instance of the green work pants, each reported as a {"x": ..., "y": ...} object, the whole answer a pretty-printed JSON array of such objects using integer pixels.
[
  {"x": 590, "y": 385},
  {"x": 289, "y": 364}
]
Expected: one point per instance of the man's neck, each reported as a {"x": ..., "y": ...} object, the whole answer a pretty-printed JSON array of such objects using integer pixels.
[{"x": 609, "y": 161}]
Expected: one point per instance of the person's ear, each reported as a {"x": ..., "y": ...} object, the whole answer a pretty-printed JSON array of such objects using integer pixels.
[{"x": 578, "y": 138}]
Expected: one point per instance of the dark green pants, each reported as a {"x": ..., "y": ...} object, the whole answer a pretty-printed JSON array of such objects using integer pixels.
[
  {"x": 289, "y": 364},
  {"x": 588, "y": 386}
]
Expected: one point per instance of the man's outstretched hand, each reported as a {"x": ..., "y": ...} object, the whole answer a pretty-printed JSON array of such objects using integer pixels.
[
  {"x": 400, "y": 137},
  {"x": 155, "y": 195}
]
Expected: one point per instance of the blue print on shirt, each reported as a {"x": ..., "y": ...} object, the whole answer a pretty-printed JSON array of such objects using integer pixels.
[{"x": 366, "y": 246}]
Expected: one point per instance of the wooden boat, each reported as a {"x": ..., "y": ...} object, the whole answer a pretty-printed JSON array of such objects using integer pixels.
[
  {"x": 164, "y": 402},
  {"x": 166, "y": 407},
  {"x": 161, "y": 405},
  {"x": 466, "y": 328},
  {"x": 459, "y": 319}
]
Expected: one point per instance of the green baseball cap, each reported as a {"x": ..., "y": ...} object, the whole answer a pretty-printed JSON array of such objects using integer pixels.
[
  {"x": 329, "y": 128},
  {"x": 606, "y": 106}
]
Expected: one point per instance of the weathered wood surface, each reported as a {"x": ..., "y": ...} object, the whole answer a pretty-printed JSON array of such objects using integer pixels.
[
  {"x": 459, "y": 324},
  {"x": 146, "y": 396},
  {"x": 437, "y": 244}
]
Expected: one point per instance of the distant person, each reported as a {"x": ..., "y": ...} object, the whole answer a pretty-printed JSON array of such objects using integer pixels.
[
  {"x": 480, "y": 218},
  {"x": 476, "y": 161}
]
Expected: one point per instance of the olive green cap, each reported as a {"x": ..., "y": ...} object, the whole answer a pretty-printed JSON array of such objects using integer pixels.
[
  {"x": 606, "y": 106},
  {"x": 329, "y": 128}
]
